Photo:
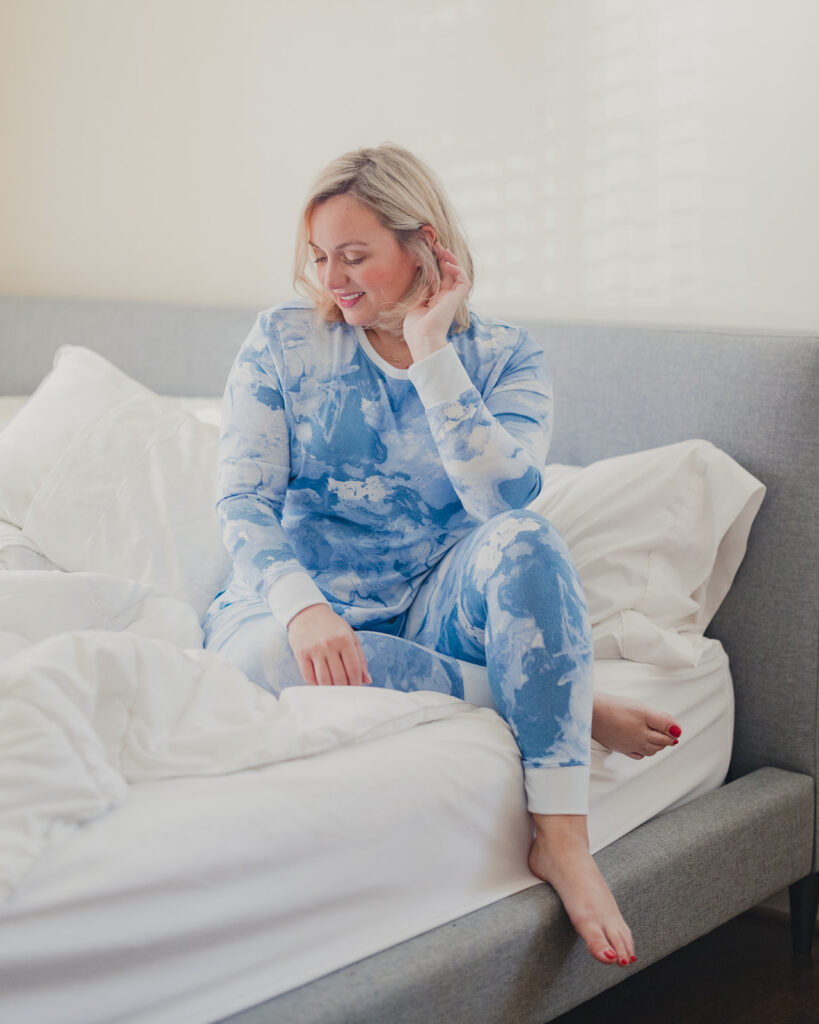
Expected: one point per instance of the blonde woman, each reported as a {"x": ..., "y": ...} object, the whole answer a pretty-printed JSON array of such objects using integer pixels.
[{"x": 380, "y": 445}]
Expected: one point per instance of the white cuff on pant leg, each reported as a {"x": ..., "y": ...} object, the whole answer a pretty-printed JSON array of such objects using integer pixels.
[{"x": 557, "y": 790}]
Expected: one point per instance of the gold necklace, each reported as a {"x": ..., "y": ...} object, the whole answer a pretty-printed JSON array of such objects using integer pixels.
[{"x": 398, "y": 360}]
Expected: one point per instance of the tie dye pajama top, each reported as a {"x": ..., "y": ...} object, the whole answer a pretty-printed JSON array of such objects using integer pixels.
[{"x": 345, "y": 480}]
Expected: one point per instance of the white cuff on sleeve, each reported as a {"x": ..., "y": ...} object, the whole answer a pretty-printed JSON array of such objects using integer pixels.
[
  {"x": 440, "y": 377},
  {"x": 291, "y": 594},
  {"x": 557, "y": 790}
]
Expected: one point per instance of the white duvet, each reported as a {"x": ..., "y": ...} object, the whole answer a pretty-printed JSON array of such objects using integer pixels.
[{"x": 104, "y": 683}]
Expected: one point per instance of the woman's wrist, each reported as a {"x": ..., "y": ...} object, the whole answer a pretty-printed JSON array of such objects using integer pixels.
[
  {"x": 422, "y": 347},
  {"x": 440, "y": 378}
]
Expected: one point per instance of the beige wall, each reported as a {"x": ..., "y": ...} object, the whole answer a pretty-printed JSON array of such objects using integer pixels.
[{"x": 641, "y": 160}]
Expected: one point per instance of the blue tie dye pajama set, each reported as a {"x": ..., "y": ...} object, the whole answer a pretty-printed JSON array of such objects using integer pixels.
[{"x": 398, "y": 497}]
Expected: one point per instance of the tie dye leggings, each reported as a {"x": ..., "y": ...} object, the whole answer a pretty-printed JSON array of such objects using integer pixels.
[{"x": 507, "y": 596}]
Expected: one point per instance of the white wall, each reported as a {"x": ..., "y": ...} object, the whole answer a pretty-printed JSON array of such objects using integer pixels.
[{"x": 640, "y": 160}]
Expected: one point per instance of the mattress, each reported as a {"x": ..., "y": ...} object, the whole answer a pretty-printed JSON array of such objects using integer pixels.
[{"x": 199, "y": 897}]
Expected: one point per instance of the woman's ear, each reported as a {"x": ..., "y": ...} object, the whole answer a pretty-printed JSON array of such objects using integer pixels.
[{"x": 429, "y": 232}]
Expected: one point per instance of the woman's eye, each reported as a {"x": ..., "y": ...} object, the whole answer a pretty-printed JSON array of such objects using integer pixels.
[{"x": 350, "y": 261}]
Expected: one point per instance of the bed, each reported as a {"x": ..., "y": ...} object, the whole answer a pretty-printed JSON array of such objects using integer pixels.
[{"x": 180, "y": 846}]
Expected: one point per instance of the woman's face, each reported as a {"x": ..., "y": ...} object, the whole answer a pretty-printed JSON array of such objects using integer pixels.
[{"x": 358, "y": 260}]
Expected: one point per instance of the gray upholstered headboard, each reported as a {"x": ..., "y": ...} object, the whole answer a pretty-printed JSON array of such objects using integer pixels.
[
  {"x": 618, "y": 389},
  {"x": 176, "y": 350}
]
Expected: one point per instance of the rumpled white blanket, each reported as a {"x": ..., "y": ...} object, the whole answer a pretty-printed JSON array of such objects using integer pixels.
[{"x": 104, "y": 683}]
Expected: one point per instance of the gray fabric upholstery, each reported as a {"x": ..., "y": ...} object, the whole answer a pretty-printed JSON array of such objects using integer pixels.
[{"x": 176, "y": 350}]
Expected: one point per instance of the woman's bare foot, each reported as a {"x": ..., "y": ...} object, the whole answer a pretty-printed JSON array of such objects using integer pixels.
[
  {"x": 631, "y": 728},
  {"x": 560, "y": 856}
]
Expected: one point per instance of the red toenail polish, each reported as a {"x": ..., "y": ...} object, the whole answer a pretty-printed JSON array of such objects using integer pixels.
[
  {"x": 624, "y": 962},
  {"x": 675, "y": 730},
  {"x": 674, "y": 744},
  {"x": 610, "y": 954},
  {"x": 634, "y": 959}
]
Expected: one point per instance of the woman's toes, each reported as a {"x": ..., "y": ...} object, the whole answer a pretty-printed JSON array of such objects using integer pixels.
[
  {"x": 656, "y": 741},
  {"x": 601, "y": 948},
  {"x": 610, "y": 942},
  {"x": 664, "y": 725},
  {"x": 624, "y": 950},
  {"x": 612, "y": 953}
]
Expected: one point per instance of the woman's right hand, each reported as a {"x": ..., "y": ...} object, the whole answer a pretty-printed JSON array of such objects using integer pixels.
[{"x": 326, "y": 648}]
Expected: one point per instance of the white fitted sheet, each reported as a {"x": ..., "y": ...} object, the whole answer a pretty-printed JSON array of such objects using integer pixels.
[{"x": 199, "y": 897}]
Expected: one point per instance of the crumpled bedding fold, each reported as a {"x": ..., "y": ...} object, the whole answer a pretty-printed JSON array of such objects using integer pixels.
[{"x": 103, "y": 683}]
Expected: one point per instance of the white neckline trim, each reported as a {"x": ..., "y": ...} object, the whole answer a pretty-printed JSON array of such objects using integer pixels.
[{"x": 380, "y": 361}]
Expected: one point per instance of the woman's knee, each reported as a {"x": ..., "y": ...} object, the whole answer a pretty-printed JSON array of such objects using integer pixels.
[
  {"x": 521, "y": 534},
  {"x": 524, "y": 565}
]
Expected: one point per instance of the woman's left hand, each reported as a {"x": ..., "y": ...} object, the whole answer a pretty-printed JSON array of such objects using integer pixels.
[{"x": 427, "y": 325}]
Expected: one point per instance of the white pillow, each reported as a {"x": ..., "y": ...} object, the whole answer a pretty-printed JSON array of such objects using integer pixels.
[
  {"x": 657, "y": 537},
  {"x": 132, "y": 493},
  {"x": 81, "y": 386}
]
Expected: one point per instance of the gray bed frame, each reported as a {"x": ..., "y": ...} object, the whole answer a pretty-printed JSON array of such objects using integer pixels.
[{"x": 619, "y": 389}]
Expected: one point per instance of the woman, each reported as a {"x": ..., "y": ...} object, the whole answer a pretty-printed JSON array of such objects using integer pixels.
[{"x": 379, "y": 447}]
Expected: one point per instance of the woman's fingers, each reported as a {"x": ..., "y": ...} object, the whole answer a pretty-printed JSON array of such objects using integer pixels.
[
  {"x": 308, "y": 673},
  {"x": 448, "y": 262},
  {"x": 353, "y": 667},
  {"x": 432, "y": 316},
  {"x": 356, "y": 663},
  {"x": 331, "y": 668}
]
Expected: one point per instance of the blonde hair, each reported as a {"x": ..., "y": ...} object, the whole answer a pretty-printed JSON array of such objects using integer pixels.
[{"x": 404, "y": 194}]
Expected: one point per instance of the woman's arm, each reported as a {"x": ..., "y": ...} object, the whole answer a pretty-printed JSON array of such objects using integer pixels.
[
  {"x": 493, "y": 451},
  {"x": 254, "y": 470}
]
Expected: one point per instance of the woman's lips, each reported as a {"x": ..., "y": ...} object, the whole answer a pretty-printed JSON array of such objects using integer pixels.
[{"x": 348, "y": 301}]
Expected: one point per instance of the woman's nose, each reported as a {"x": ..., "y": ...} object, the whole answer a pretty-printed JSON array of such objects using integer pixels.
[{"x": 335, "y": 276}]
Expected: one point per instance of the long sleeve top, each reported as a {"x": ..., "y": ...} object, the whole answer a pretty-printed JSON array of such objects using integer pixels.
[{"x": 344, "y": 479}]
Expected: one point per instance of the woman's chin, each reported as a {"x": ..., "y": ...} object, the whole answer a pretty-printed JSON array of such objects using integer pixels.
[{"x": 353, "y": 316}]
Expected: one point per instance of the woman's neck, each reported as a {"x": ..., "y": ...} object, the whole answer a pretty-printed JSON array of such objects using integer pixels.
[{"x": 391, "y": 347}]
